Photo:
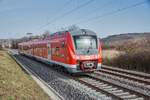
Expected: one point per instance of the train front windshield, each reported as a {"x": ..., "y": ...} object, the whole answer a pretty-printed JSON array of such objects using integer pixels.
[{"x": 85, "y": 42}]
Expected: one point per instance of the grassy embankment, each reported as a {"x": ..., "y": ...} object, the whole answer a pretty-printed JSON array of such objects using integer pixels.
[
  {"x": 15, "y": 84},
  {"x": 132, "y": 54}
]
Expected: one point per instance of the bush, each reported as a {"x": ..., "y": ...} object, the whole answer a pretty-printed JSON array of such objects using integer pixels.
[
  {"x": 136, "y": 56},
  {"x": 138, "y": 60}
]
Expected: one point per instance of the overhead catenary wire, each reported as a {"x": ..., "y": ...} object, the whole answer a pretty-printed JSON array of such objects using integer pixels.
[
  {"x": 62, "y": 7},
  {"x": 112, "y": 13},
  {"x": 98, "y": 9},
  {"x": 67, "y": 13}
]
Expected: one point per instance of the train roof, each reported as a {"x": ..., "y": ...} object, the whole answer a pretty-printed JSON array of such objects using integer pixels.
[
  {"x": 82, "y": 32},
  {"x": 34, "y": 42},
  {"x": 75, "y": 32}
]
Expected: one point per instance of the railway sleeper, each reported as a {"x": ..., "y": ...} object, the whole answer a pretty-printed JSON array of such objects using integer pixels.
[
  {"x": 111, "y": 89},
  {"x": 129, "y": 96},
  {"x": 140, "y": 98},
  {"x": 107, "y": 87},
  {"x": 123, "y": 94},
  {"x": 101, "y": 83},
  {"x": 117, "y": 91},
  {"x": 104, "y": 85},
  {"x": 96, "y": 83}
]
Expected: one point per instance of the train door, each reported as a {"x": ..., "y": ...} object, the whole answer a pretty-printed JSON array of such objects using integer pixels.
[
  {"x": 49, "y": 50},
  {"x": 63, "y": 52}
]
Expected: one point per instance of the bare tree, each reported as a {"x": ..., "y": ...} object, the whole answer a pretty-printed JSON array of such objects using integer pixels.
[
  {"x": 70, "y": 28},
  {"x": 73, "y": 27},
  {"x": 46, "y": 34}
]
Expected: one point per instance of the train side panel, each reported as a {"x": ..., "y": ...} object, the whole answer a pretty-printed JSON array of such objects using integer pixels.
[{"x": 59, "y": 49}]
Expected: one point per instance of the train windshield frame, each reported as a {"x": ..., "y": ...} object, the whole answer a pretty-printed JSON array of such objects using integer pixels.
[{"x": 85, "y": 42}]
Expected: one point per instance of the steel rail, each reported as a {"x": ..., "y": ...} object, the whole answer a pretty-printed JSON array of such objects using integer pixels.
[
  {"x": 146, "y": 97},
  {"x": 127, "y": 76},
  {"x": 139, "y": 74}
]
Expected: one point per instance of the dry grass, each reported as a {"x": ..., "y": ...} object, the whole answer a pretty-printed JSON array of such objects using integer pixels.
[
  {"x": 110, "y": 54},
  {"x": 15, "y": 84}
]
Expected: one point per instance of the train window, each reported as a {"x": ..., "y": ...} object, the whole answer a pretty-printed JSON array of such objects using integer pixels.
[
  {"x": 85, "y": 42},
  {"x": 63, "y": 44},
  {"x": 53, "y": 51},
  {"x": 48, "y": 45},
  {"x": 57, "y": 49},
  {"x": 59, "y": 33}
]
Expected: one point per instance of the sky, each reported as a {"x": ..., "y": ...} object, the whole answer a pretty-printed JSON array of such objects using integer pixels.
[{"x": 18, "y": 17}]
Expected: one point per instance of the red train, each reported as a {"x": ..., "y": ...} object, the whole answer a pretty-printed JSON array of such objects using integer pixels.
[{"x": 77, "y": 50}]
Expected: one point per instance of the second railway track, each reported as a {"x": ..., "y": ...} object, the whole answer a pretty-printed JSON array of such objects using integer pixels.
[
  {"x": 125, "y": 72},
  {"x": 127, "y": 76}
]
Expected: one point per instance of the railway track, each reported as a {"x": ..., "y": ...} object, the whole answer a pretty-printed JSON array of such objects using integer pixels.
[
  {"x": 115, "y": 91},
  {"x": 136, "y": 79},
  {"x": 125, "y": 73}
]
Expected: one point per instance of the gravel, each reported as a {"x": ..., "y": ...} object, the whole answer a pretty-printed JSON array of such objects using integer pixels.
[{"x": 65, "y": 86}]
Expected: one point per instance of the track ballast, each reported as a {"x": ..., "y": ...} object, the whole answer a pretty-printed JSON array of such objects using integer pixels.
[{"x": 93, "y": 81}]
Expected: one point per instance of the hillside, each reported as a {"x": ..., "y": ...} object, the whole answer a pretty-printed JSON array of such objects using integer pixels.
[
  {"x": 124, "y": 37},
  {"x": 132, "y": 40}
]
